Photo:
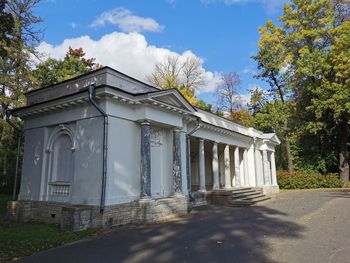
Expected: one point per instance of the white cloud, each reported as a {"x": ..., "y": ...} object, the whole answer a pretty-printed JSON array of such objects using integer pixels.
[
  {"x": 126, "y": 52},
  {"x": 249, "y": 70},
  {"x": 126, "y": 21},
  {"x": 272, "y": 6}
]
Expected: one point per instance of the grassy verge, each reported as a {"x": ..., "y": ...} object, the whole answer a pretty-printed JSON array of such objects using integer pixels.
[{"x": 22, "y": 239}]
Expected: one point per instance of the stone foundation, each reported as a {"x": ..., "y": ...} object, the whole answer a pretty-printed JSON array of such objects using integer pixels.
[{"x": 80, "y": 217}]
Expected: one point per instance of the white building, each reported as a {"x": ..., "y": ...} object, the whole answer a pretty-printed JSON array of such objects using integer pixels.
[{"x": 104, "y": 148}]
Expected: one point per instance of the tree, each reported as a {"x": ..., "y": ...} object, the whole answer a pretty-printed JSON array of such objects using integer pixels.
[
  {"x": 228, "y": 99},
  {"x": 243, "y": 117},
  {"x": 15, "y": 76},
  {"x": 273, "y": 65},
  {"x": 6, "y": 27},
  {"x": 313, "y": 45},
  {"x": 257, "y": 100},
  {"x": 18, "y": 40},
  {"x": 74, "y": 64},
  {"x": 186, "y": 76}
]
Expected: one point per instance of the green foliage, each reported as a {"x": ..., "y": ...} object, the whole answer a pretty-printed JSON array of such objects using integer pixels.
[
  {"x": 53, "y": 71},
  {"x": 305, "y": 59},
  {"x": 258, "y": 100},
  {"x": 204, "y": 106},
  {"x": 18, "y": 37},
  {"x": 6, "y": 27},
  {"x": 243, "y": 117},
  {"x": 307, "y": 180}
]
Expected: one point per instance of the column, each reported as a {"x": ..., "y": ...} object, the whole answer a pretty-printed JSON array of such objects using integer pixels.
[
  {"x": 201, "y": 165},
  {"x": 273, "y": 169},
  {"x": 177, "y": 175},
  {"x": 145, "y": 160},
  {"x": 246, "y": 171},
  {"x": 237, "y": 167},
  {"x": 259, "y": 170},
  {"x": 267, "y": 178},
  {"x": 227, "y": 167},
  {"x": 216, "y": 184}
]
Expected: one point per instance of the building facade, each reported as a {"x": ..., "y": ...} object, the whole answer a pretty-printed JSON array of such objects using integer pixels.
[{"x": 105, "y": 149}]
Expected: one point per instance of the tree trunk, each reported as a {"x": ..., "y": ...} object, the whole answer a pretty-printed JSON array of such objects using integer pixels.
[
  {"x": 343, "y": 154},
  {"x": 286, "y": 134},
  {"x": 288, "y": 152}
]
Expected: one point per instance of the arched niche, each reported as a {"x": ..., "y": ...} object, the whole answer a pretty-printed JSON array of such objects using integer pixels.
[{"x": 60, "y": 148}]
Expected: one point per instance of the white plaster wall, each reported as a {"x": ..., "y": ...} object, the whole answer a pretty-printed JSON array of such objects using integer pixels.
[
  {"x": 141, "y": 112},
  {"x": 161, "y": 165},
  {"x": 87, "y": 159},
  {"x": 167, "y": 164},
  {"x": 87, "y": 183},
  {"x": 63, "y": 116},
  {"x": 124, "y": 158},
  {"x": 32, "y": 164}
]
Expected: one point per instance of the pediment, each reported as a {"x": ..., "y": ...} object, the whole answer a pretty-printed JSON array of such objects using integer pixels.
[
  {"x": 272, "y": 137},
  {"x": 172, "y": 97}
]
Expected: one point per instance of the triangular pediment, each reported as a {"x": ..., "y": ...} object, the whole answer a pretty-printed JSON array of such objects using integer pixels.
[
  {"x": 272, "y": 137},
  {"x": 172, "y": 97}
]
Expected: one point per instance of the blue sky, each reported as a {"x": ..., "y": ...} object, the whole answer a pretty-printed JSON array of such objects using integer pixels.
[{"x": 131, "y": 36}]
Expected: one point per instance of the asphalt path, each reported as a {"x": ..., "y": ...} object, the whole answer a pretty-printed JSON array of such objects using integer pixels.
[{"x": 296, "y": 226}]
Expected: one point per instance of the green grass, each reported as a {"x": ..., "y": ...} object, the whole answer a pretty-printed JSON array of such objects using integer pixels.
[{"x": 22, "y": 239}]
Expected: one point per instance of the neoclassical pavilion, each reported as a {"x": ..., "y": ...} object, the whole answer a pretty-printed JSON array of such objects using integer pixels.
[{"x": 104, "y": 149}]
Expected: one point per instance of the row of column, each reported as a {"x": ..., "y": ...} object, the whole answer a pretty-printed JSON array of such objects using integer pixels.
[
  {"x": 227, "y": 166},
  {"x": 146, "y": 161},
  {"x": 269, "y": 168}
]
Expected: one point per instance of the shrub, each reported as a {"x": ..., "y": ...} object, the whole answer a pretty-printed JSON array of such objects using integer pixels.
[{"x": 303, "y": 180}]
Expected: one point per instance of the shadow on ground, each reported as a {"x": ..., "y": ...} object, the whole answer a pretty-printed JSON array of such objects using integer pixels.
[{"x": 208, "y": 234}]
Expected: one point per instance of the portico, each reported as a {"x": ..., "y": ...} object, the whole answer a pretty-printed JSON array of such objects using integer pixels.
[{"x": 218, "y": 165}]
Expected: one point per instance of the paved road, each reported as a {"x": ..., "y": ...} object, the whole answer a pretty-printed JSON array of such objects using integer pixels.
[{"x": 301, "y": 226}]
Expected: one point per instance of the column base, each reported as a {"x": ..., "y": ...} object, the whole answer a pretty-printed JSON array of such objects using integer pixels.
[
  {"x": 270, "y": 189},
  {"x": 178, "y": 195},
  {"x": 145, "y": 199}
]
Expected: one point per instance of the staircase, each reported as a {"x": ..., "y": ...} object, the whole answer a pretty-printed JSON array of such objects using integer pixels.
[{"x": 246, "y": 196}]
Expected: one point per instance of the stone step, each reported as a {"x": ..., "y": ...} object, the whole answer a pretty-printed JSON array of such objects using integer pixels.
[
  {"x": 242, "y": 190},
  {"x": 247, "y": 197},
  {"x": 257, "y": 199},
  {"x": 246, "y": 194},
  {"x": 240, "y": 203}
]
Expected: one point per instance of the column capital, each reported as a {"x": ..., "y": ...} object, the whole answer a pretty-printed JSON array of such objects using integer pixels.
[
  {"x": 145, "y": 122},
  {"x": 178, "y": 129}
]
